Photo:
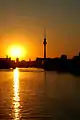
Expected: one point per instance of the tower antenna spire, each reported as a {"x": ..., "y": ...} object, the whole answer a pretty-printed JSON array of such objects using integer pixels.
[{"x": 45, "y": 32}]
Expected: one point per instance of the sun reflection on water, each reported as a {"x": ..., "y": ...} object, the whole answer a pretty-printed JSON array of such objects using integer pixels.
[{"x": 16, "y": 98}]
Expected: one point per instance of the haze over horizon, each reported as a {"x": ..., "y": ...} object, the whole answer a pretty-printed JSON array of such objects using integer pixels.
[{"x": 22, "y": 22}]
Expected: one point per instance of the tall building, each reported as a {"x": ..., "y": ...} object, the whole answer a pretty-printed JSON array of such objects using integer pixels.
[
  {"x": 17, "y": 60},
  {"x": 45, "y": 43}
]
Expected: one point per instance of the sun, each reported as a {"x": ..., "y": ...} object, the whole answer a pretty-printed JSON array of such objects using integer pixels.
[{"x": 16, "y": 51}]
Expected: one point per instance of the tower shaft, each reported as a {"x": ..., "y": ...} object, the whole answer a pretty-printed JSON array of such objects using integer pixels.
[
  {"x": 45, "y": 43},
  {"x": 44, "y": 51}
]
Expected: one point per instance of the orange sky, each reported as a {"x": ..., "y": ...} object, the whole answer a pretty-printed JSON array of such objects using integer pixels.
[
  {"x": 33, "y": 44},
  {"x": 23, "y": 22}
]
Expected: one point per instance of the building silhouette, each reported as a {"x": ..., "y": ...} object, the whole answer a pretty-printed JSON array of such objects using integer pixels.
[{"x": 17, "y": 60}]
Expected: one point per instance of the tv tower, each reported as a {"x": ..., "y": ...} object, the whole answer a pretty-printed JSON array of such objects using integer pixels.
[{"x": 45, "y": 43}]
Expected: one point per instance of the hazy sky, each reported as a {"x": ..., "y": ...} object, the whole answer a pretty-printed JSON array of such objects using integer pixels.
[{"x": 23, "y": 22}]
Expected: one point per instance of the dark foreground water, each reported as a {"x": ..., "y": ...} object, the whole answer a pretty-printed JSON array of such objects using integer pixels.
[{"x": 31, "y": 94}]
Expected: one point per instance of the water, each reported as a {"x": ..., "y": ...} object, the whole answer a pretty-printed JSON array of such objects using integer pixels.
[{"x": 32, "y": 94}]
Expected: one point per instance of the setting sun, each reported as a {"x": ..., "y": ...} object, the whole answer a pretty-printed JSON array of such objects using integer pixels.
[{"x": 16, "y": 51}]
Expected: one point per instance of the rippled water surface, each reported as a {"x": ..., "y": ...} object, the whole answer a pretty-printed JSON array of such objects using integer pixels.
[{"x": 32, "y": 94}]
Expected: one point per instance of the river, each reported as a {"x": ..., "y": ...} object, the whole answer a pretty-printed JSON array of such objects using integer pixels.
[{"x": 33, "y": 94}]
